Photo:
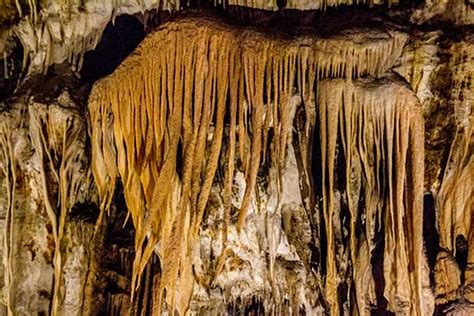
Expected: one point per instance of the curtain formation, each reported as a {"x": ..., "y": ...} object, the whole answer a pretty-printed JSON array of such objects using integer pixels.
[
  {"x": 200, "y": 95},
  {"x": 378, "y": 126}
]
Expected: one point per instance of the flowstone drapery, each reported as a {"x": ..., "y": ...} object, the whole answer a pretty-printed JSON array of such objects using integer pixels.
[
  {"x": 377, "y": 126},
  {"x": 273, "y": 169},
  {"x": 197, "y": 97}
]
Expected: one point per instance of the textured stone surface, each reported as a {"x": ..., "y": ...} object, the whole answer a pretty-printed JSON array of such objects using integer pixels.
[
  {"x": 276, "y": 258},
  {"x": 30, "y": 186}
]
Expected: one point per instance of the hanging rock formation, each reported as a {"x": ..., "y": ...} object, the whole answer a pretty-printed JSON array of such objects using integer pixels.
[
  {"x": 321, "y": 163},
  {"x": 139, "y": 125}
]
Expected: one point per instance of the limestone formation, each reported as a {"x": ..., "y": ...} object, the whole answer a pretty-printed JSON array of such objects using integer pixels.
[{"x": 269, "y": 157}]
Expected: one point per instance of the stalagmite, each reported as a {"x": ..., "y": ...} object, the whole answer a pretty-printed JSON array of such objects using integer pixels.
[
  {"x": 8, "y": 169},
  {"x": 58, "y": 136}
]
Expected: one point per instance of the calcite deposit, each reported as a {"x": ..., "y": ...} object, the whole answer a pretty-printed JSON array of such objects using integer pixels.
[{"x": 248, "y": 157}]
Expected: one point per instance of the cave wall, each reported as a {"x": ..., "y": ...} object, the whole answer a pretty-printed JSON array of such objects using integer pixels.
[{"x": 66, "y": 251}]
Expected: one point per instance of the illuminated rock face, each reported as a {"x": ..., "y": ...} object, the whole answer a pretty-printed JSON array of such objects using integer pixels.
[
  {"x": 229, "y": 169},
  {"x": 139, "y": 120}
]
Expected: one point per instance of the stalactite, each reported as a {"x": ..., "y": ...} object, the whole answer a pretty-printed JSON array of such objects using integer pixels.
[
  {"x": 206, "y": 126},
  {"x": 302, "y": 4},
  {"x": 170, "y": 97},
  {"x": 52, "y": 32},
  {"x": 372, "y": 119}
]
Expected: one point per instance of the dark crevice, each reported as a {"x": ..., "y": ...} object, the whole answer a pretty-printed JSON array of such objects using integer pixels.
[
  {"x": 180, "y": 159},
  {"x": 87, "y": 212},
  {"x": 376, "y": 261},
  {"x": 461, "y": 254},
  {"x": 430, "y": 233},
  {"x": 317, "y": 172},
  {"x": 119, "y": 39},
  {"x": 10, "y": 79},
  {"x": 119, "y": 232},
  {"x": 47, "y": 88},
  {"x": 118, "y": 250},
  {"x": 253, "y": 308},
  {"x": 332, "y": 18}
]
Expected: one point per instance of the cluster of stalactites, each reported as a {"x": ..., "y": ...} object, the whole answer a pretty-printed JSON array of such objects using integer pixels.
[
  {"x": 302, "y": 4},
  {"x": 63, "y": 31},
  {"x": 175, "y": 96},
  {"x": 37, "y": 10},
  {"x": 53, "y": 32},
  {"x": 32, "y": 8},
  {"x": 376, "y": 125},
  {"x": 9, "y": 10}
]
